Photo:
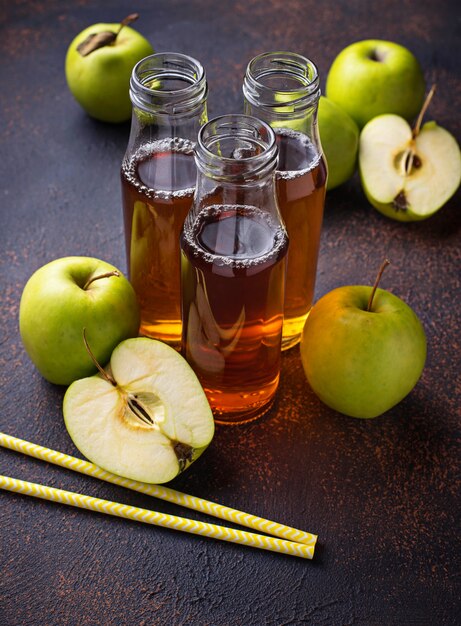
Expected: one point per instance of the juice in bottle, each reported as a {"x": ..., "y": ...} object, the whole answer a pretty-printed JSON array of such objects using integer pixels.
[
  {"x": 233, "y": 265},
  {"x": 233, "y": 262},
  {"x": 158, "y": 175},
  {"x": 301, "y": 186},
  {"x": 282, "y": 88},
  {"x": 158, "y": 185}
]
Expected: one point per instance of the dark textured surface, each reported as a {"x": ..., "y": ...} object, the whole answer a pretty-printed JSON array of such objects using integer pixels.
[{"x": 383, "y": 495}]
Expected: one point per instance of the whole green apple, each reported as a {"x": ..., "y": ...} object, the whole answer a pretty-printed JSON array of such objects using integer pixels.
[
  {"x": 99, "y": 63},
  {"x": 339, "y": 135},
  {"x": 372, "y": 77},
  {"x": 362, "y": 362},
  {"x": 63, "y": 298}
]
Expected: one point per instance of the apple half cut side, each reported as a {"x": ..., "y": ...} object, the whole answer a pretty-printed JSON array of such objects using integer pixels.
[
  {"x": 401, "y": 190},
  {"x": 146, "y": 419}
]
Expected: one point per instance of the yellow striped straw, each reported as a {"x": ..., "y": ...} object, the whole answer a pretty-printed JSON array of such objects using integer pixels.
[
  {"x": 158, "y": 491},
  {"x": 182, "y": 524}
]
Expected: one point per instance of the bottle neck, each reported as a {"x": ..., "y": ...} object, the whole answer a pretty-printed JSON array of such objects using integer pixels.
[
  {"x": 236, "y": 158},
  {"x": 236, "y": 149},
  {"x": 168, "y": 92},
  {"x": 283, "y": 89}
]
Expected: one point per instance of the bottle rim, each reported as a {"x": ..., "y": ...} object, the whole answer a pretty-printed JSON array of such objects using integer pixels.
[
  {"x": 260, "y": 86},
  {"x": 168, "y": 65},
  {"x": 248, "y": 133}
]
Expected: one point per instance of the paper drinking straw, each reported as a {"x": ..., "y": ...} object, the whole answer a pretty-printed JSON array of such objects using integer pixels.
[
  {"x": 158, "y": 519},
  {"x": 163, "y": 493}
]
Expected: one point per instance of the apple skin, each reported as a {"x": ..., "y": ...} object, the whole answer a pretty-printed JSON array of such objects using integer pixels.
[
  {"x": 372, "y": 77},
  {"x": 54, "y": 310},
  {"x": 339, "y": 136},
  {"x": 100, "y": 81},
  {"x": 362, "y": 363}
]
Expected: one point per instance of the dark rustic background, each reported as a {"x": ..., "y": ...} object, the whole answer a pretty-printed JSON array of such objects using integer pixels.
[{"x": 383, "y": 495}]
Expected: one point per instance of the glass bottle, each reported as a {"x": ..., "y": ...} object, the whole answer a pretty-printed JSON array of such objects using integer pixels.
[
  {"x": 233, "y": 249},
  {"x": 282, "y": 88},
  {"x": 168, "y": 93}
]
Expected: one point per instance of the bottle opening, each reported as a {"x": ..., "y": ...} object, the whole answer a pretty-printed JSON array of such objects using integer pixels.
[
  {"x": 286, "y": 82},
  {"x": 168, "y": 82},
  {"x": 230, "y": 146}
]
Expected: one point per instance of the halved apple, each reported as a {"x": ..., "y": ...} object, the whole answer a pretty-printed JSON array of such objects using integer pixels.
[
  {"x": 408, "y": 175},
  {"x": 145, "y": 417}
]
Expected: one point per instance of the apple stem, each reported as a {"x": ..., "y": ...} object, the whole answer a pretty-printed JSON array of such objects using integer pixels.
[
  {"x": 426, "y": 103},
  {"x": 106, "y": 275},
  {"x": 129, "y": 19},
  {"x": 409, "y": 157},
  {"x": 384, "y": 264},
  {"x": 94, "y": 41},
  {"x": 103, "y": 373}
]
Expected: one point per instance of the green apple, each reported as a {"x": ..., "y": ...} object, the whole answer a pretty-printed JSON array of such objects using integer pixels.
[
  {"x": 372, "y": 77},
  {"x": 362, "y": 362},
  {"x": 98, "y": 66},
  {"x": 63, "y": 298},
  {"x": 146, "y": 418},
  {"x": 408, "y": 175},
  {"x": 339, "y": 135}
]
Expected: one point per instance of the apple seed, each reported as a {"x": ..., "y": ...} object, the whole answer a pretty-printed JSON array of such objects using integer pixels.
[{"x": 139, "y": 410}]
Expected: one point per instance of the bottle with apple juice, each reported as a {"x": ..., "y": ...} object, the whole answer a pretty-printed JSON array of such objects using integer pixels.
[
  {"x": 168, "y": 93},
  {"x": 233, "y": 253},
  {"x": 282, "y": 88}
]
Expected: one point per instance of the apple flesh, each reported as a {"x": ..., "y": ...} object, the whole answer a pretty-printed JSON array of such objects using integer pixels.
[
  {"x": 401, "y": 190},
  {"x": 63, "y": 298},
  {"x": 359, "y": 362},
  {"x": 146, "y": 419},
  {"x": 339, "y": 135},
  {"x": 99, "y": 80},
  {"x": 372, "y": 77}
]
